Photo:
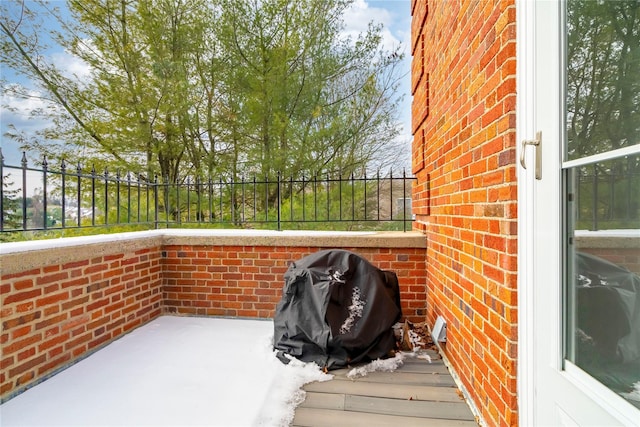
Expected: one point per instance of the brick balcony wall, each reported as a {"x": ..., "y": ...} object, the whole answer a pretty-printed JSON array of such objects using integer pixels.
[
  {"x": 61, "y": 303},
  {"x": 619, "y": 247},
  {"x": 465, "y": 200},
  {"x": 247, "y": 281},
  {"x": 62, "y": 300}
]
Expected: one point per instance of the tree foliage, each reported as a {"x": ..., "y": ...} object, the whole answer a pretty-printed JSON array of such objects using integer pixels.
[
  {"x": 603, "y": 108},
  {"x": 202, "y": 88},
  {"x": 11, "y": 206},
  {"x": 603, "y": 75}
]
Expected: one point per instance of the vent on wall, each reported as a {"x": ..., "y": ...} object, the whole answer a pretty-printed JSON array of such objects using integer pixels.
[{"x": 439, "y": 332}]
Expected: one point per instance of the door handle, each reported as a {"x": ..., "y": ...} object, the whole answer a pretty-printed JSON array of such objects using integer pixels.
[{"x": 538, "y": 144}]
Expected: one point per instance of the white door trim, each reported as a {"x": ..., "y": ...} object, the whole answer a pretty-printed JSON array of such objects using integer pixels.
[
  {"x": 525, "y": 129},
  {"x": 542, "y": 378}
]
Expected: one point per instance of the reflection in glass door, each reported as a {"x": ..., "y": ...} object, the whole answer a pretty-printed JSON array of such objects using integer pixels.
[{"x": 601, "y": 174}]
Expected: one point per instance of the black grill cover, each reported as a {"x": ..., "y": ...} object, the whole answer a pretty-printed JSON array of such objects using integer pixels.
[
  {"x": 608, "y": 310},
  {"x": 336, "y": 309}
]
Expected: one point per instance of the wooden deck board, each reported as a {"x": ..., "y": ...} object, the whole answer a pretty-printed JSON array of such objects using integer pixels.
[
  {"x": 419, "y": 368},
  {"x": 415, "y": 378},
  {"x": 408, "y": 378},
  {"x": 391, "y": 391},
  {"x": 313, "y": 417},
  {"x": 418, "y": 393},
  {"x": 377, "y": 405}
]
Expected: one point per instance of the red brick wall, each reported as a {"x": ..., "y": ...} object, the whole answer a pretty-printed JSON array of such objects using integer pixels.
[
  {"x": 628, "y": 258},
  {"x": 465, "y": 201},
  {"x": 60, "y": 304},
  {"x": 247, "y": 281},
  {"x": 623, "y": 250},
  {"x": 54, "y": 314}
]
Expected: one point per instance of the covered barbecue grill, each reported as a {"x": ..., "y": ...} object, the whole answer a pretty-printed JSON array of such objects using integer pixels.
[{"x": 336, "y": 309}]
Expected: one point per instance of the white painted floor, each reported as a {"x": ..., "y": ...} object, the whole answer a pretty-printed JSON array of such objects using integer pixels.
[{"x": 173, "y": 371}]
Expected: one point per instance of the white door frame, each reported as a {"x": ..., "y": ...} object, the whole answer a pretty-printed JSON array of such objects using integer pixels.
[
  {"x": 532, "y": 70},
  {"x": 525, "y": 129}
]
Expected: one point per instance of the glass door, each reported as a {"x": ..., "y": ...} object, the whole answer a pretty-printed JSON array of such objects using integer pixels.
[
  {"x": 601, "y": 179},
  {"x": 579, "y": 237}
]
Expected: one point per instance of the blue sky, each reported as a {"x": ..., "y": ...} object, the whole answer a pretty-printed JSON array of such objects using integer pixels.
[{"x": 393, "y": 14}]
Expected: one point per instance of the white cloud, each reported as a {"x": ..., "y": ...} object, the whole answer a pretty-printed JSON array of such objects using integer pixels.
[
  {"x": 20, "y": 115},
  {"x": 71, "y": 66},
  {"x": 22, "y": 106},
  {"x": 361, "y": 13},
  {"x": 19, "y": 111},
  {"x": 395, "y": 16},
  {"x": 20, "y": 101}
]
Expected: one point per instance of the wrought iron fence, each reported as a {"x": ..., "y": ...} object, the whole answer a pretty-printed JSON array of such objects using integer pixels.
[
  {"x": 607, "y": 198},
  {"x": 43, "y": 199}
]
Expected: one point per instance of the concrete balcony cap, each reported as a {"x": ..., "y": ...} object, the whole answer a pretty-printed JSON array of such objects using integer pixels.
[{"x": 234, "y": 237}]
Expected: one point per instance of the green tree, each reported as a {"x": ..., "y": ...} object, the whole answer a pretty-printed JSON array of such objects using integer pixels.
[
  {"x": 603, "y": 107},
  {"x": 603, "y": 75},
  {"x": 310, "y": 99},
  {"x": 11, "y": 204},
  {"x": 198, "y": 88},
  {"x": 136, "y": 108}
]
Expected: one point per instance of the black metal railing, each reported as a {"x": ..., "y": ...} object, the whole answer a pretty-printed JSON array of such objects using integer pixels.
[
  {"x": 607, "y": 197},
  {"x": 43, "y": 199}
]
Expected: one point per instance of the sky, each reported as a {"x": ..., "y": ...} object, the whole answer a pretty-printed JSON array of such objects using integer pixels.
[
  {"x": 180, "y": 371},
  {"x": 393, "y": 14}
]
